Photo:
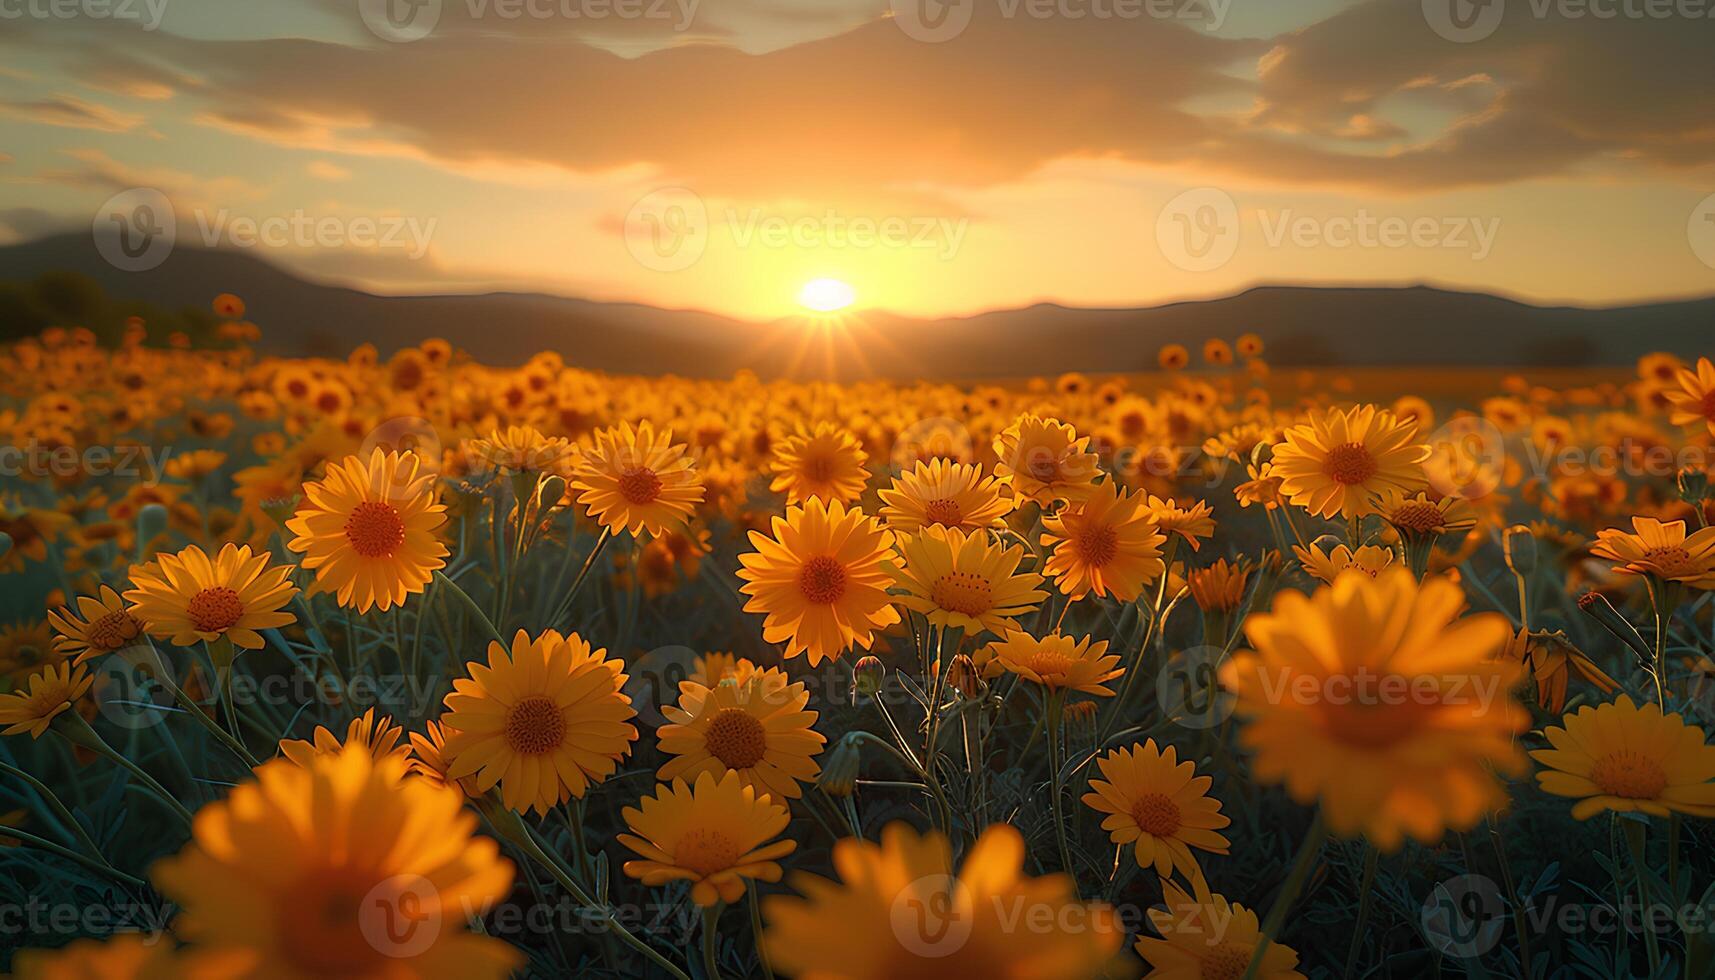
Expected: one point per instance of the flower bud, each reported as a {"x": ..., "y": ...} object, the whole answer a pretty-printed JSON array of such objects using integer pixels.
[
  {"x": 867, "y": 675},
  {"x": 840, "y": 768},
  {"x": 1693, "y": 485},
  {"x": 1599, "y": 608},
  {"x": 962, "y": 674},
  {"x": 1518, "y": 546},
  {"x": 551, "y": 491},
  {"x": 1080, "y": 718},
  {"x": 151, "y": 524}
]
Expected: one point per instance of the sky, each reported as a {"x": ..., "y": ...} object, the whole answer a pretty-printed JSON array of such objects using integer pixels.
[{"x": 936, "y": 158}]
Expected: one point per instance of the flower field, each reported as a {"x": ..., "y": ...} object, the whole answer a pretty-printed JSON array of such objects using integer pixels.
[{"x": 409, "y": 665}]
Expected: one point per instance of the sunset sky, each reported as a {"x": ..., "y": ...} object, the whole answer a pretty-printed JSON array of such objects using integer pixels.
[{"x": 722, "y": 154}]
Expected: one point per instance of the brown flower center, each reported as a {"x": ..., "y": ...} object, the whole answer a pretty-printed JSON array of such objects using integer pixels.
[
  {"x": 111, "y": 631},
  {"x": 822, "y": 580},
  {"x": 1628, "y": 774},
  {"x": 215, "y": 610},
  {"x": 375, "y": 529},
  {"x": 640, "y": 485},
  {"x": 963, "y": 592},
  {"x": 945, "y": 512},
  {"x": 1228, "y": 961},
  {"x": 706, "y": 851},
  {"x": 535, "y": 726},
  {"x": 1156, "y": 815},
  {"x": 1419, "y": 516},
  {"x": 1350, "y": 464},
  {"x": 736, "y": 738},
  {"x": 1670, "y": 560},
  {"x": 1096, "y": 545},
  {"x": 321, "y": 919}
]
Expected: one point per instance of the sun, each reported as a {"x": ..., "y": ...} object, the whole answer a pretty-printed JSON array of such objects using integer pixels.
[{"x": 826, "y": 295}]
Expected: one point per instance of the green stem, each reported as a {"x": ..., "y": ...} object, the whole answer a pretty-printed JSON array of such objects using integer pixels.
[
  {"x": 1051, "y": 718},
  {"x": 565, "y": 606},
  {"x": 59, "y": 808},
  {"x": 508, "y": 825},
  {"x": 98, "y": 866},
  {"x": 756, "y": 933},
  {"x": 77, "y": 731},
  {"x": 711, "y": 936},
  {"x": 1634, "y": 831},
  {"x": 1371, "y": 858},
  {"x": 470, "y": 605},
  {"x": 1301, "y": 865}
]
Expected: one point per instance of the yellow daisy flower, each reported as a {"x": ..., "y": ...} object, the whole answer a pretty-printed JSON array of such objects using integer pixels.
[
  {"x": 1373, "y": 697},
  {"x": 967, "y": 582},
  {"x": 100, "y": 625},
  {"x": 821, "y": 580},
  {"x": 42, "y": 698},
  {"x": 543, "y": 721},
  {"x": 1660, "y": 549},
  {"x": 1161, "y": 805},
  {"x": 1107, "y": 545},
  {"x": 1204, "y": 935},
  {"x": 1327, "y": 565},
  {"x": 1337, "y": 462},
  {"x": 826, "y": 462},
  {"x": 1693, "y": 403},
  {"x": 339, "y": 868},
  {"x": 1189, "y": 523},
  {"x": 1624, "y": 758},
  {"x": 376, "y": 733},
  {"x": 946, "y": 493},
  {"x": 1057, "y": 662},
  {"x": 1045, "y": 460},
  {"x": 714, "y": 834},
  {"x": 899, "y": 910},
  {"x": 637, "y": 480},
  {"x": 187, "y": 597},
  {"x": 367, "y": 529},
  {"x": 756, "y": 726},
  {"x": 521, "y": 449}
]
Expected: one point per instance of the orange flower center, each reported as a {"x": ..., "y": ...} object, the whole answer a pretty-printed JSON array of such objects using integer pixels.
[
  {"x": 1417, "y": 515},
  {"x": 1156, "y": 815},
  {"x": 1628, "y": 774},
  {"x": 706, "y": 851},
  {"x": 535, "y": 726},
  {"x": 822, "y": 580},
  {"x": 375, "y": 529},
  {"x": 111, "y": 631},
  {"x": 640, "y": 485},
  {"x": 1096, "y": 545},
  {"x": 1051, "y": 665},
  {"x": 736, "y": 738},
  {"x": 945, "y": 512},
  {"x": 321, "y": 929},
  {"x": 963, "y": 592},
  {"x": 819, "y": 469},
  {"x": 1228, "y": 961},
  {"x": 216, "y": 609},
  {"x": 1350, "y": 464},
  {"x": 1670, "y": 560}
]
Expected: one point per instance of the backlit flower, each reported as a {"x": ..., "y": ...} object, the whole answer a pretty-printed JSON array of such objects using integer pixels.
[
  {"x": 826, "y": 462},
  {"x": 757, "y": 726},
  {"x": 1338, "y": 461},
  {"x": 637, "y": 480},
  {"x": 714, "y": 833},
  {"x": 186, "y": 597},
  {"x": 942, "y": 492},
  {"x": 1624, "y": 758},
  {"x": 1160, "y": 804},
  {"x": 367, "y": 530},
  {"x": 966, "y": 582},
  {"x": 98, "y": 626},
  {"x": 1106, "y": 545},
  {"x": 1045, "y": 460}
]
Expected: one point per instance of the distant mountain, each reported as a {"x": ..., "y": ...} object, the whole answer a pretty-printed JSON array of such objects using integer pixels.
[{"x": 1301, "y": 325}]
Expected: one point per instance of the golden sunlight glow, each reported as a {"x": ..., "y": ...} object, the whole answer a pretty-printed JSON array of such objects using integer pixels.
[{"x": 826, "y": 295}]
